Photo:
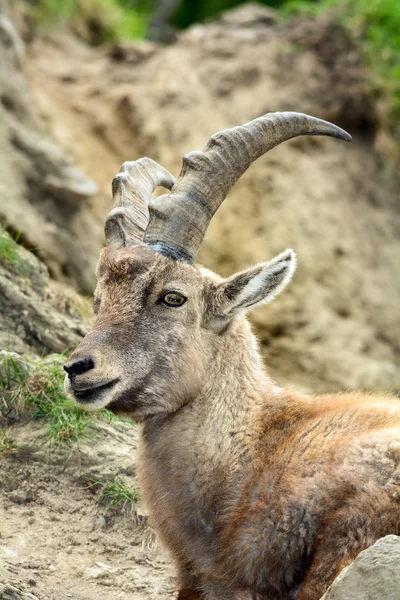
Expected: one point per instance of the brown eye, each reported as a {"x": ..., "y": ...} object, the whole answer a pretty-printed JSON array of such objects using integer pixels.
[{"x": 173, "y": 299}]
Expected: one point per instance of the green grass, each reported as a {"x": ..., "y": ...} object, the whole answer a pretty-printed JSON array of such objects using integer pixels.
[
  {"x": 44, "y": 391},
  {"x": 115, "y": 495},
  {"x": 374, "y": 25},
  {"x": 98, "y": 21},
  {"x": 39, "y": 389},
  {"x": 10, "y": 254},
  {"x": 7, "y": 443},
  {"x": 111, "y": 418},
  {"x": 12, "y": 372}
]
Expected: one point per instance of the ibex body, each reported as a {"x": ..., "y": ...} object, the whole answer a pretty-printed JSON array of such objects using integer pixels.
[{"x": 259, "y": 494}]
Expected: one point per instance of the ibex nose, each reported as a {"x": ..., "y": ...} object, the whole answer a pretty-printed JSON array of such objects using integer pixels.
[{"x": 79, "y": 367}]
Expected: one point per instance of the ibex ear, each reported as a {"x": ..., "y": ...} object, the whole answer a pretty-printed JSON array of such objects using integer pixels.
[{"x": 257, "y": 285}]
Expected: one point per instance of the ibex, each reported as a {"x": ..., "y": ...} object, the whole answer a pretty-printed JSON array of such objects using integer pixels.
[{"x": 257, "y": 492}]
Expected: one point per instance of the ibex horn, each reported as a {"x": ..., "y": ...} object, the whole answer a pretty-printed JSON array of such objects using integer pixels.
[
  {"x": 179, "y": 220},
  {"x": 132, "y": 189}
]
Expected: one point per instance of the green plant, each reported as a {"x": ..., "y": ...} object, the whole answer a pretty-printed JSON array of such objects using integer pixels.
[
  {"x": 7, "y": 444},
  {"x": 40, "y": 388},
  {"x": 98, "y": 21},
  {"x": 115, "y": 494},
  {"x": 374, "y": 25},
  {"x": 111, "y": 418},
  {"x": 12, "y": 371},
  {"x": 43, "y": 390},
  {"x": 10, "y": 254}
]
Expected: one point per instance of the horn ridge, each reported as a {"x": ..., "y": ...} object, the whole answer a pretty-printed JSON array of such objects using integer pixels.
[
  {"x": 131, "y": 189},
  {"x": 179, "y": 220}
]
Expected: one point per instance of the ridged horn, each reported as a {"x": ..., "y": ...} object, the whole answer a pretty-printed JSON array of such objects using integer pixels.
[
  {"x": 132, "y": 189},
  {"x": 179, "y": 220}
]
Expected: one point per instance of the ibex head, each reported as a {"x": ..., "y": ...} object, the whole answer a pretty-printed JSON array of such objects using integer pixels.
[{"x": 160, "y": 317}]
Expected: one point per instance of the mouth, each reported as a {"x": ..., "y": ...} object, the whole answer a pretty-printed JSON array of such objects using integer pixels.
[{"x": 89, "y": 393}]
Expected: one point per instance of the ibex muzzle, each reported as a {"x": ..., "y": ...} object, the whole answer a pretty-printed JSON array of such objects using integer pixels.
[{"x": 258, "y": 493}]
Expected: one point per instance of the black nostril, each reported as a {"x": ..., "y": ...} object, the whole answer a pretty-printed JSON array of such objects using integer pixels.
[{"x": 79, "y": 367}]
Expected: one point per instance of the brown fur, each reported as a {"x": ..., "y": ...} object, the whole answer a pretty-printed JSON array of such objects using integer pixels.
[{"x": 259, "y": 494}]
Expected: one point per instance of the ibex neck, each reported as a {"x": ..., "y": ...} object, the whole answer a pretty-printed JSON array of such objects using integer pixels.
[
  {"x": 235, "y": 386},
  {"x": 183, "y": 455},
  {"x": 236, "y": 382}
]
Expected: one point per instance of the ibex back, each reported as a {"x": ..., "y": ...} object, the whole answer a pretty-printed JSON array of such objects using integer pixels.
[{"x": 258, "y": 493}]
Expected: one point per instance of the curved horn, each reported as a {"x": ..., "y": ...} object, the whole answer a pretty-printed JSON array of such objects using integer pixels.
[
  {"x": 179, "y": 220},
  {"x": 132, "y": 189}
]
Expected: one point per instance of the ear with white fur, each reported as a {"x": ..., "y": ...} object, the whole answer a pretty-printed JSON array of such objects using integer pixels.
[{"x": 257, "y": 285}]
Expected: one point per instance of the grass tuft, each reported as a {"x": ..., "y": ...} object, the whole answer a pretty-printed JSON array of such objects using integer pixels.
[
  {"x": 13, "y": 370},
  {"x": 10, "y": 254},
  {"x": 7, "y": 443},
  {"x": 39, "y": 388},
  {"x": 115, "y": 495},
  {"x": 110, "y": 417},
  {"x": 44, "y": 391}
]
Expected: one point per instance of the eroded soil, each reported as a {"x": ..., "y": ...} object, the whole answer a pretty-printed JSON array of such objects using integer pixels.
[{"x": 56, "y": 541}]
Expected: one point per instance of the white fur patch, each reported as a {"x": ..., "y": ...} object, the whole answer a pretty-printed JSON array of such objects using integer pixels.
[{"x": 262, "y": 288}]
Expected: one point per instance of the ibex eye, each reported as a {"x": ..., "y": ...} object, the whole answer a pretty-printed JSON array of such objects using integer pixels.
[{"x": 173, "y": 299}]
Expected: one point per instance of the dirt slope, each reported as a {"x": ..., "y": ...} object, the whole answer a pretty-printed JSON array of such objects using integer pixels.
[
  {"x": 41, "y": 189},
  {"x": 56, "y": 541},
  {"x": 338, "y": 325}
]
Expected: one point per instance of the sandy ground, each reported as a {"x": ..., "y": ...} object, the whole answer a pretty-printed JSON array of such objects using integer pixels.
[{"x": 56, "y": 541}]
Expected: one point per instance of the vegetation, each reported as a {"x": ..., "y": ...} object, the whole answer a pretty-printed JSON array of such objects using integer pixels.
[
  {"x": 44, "y": 391},
  {"x": 39, "y": 389},
  {"x": 7, "y": 443},
  {"x": 97, "y": 20},
  {"x": 115, "y": 495},
  {"x": 10, "y": 254},
  {"x": 375, "y": 27},
  {"x": 12, "y": 374}
]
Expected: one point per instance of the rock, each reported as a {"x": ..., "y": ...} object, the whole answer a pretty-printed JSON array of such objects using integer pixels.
[
  {"x": 32, "y": 314},
  {"x": 39, "y": 183},
  {"x": 374, "y": 575},
  {"x": 20, "y": 497},
  {"x": 9, "y": 592},
  {"x": 103, "y": 565},
  {"x": 98, "y": 572},
  {"x": 250, "y": 15},
  {"x": 102, "y": 522}
]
